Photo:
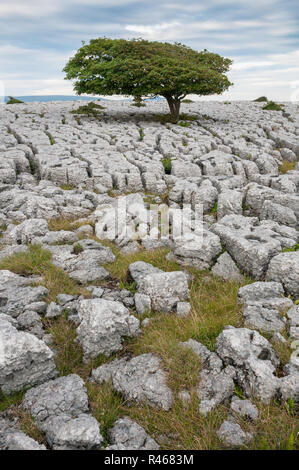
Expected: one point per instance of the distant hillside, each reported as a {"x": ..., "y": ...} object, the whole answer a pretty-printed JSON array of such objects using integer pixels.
[{"x": 47, "y": 98}]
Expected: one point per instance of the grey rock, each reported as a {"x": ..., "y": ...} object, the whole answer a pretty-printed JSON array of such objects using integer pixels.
[
  {"x": 226, "y": 268},
  {"x": 284, "y": 268},
  {"x": 17, "y": 440},
  {"x": 254, "y": 360},
  {"x": 142, "y": 303},
  {"x": 65, "y": 395},
  {"x": 164, "y": 289},
  {"x": 53, "y": 310},
  {"x": 31, "y": 322},
  {"x": 183, "y": 309},
  {"x": 139, "y": 379},
  {"x": 278, "y": 213},
  {"x": 24, "y": 359},
  {"x": 17, "y": 295},
  {"x": 65, "y": 432},
  {"x": 250, "y": 245},
  {"x": 216, "y": 382},
  {"x": 103, "y": 325},
  {"x": 85, "y": 266},
  {"x": 229, "y": 202},
  {"x": 293, "y": 322},
  {"x": 232, "y": 435},
  {"x": 264, "y": 306},
  {"x": 128, "y": 435},
  {"x": 244, "y": 408},
  {"x": 199, "y": 250},
  {"x": 26, "y": 231}
]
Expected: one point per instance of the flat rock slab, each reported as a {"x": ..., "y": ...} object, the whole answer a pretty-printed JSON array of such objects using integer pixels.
[
  {"x": 104, "y": 325},
  {"x": 139, "y": 379},
  {"x": 65, "y": 395},
  {"x": 25, "y": 360}
]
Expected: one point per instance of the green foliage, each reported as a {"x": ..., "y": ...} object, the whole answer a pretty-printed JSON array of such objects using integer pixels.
[
  {"x": 77, "y": 248},
  {"x": 261, "y": 99},
  {"x": 291, "y": 405},
  {"x": 130, "y": 286},
  {"x": 13, "y": 100},
  {"x": 6, "y": 401},
  {"x": 139, "y": 68},
  {"x": 187, "y": 101},
  {"x": 138, "y": 102},
  {"x": 292, "y": 248},
  {"x": 141, "y": 134},
  {"x": 290, "y": 444},
  {"x": 38, "y": 261},
  {"x": 166, "y": 162},
  {"x": 272, "y": 106},
  {"x": 90, "y": 110},
  {"x": 238, "y": 392},
  {"x": 214, "y": 209}
]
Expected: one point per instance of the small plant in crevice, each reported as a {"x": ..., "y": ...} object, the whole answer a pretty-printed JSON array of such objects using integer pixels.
[
  {"x": 77, "y": 248},
  {"x": 286, "y": 166},
  {"x": 90, "y": 110},
  {"x": 166, "y": 162},
  {"x": 141, "y": 134},
  {"x": 291, "y": 248}
]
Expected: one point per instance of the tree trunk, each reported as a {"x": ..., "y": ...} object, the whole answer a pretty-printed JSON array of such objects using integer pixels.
[{"x": 174, "y": 106}]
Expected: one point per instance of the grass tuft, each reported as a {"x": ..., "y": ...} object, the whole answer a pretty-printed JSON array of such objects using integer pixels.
[
  {"x": 286, "y": 166},
  {"x": 38, "y": 261},
  {"x": 272, "y": 106}
]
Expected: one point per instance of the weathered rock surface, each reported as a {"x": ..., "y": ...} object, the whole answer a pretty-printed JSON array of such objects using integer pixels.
[
  {"x": 164, "y": 289},
  {"x": 104, "y": 324},
  {"x": 223, "y": 205},
  {"x": 254, "y": 360},
  {"x": 264, "y": 306},
  {"x": 128, "y": 435},
  {"x": 64, "y": 395},
  {"x": 226, "y": 268},
  {"x": 64, "y": 432},
  {"x": 284, "y": 268},
  {"x": 233, "y": 435},
  {"x": 24, "y": 359},
  {"x": 139, "y": 379}
]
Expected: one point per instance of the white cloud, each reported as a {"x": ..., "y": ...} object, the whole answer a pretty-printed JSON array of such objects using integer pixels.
[
  {"x": 53, "y": 86},
  {"x": 31, "y": 8},
  {"x": 36, "y": 8}
]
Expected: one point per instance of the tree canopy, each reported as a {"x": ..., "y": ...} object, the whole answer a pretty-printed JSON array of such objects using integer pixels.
[{"x": 147, "y": 68}]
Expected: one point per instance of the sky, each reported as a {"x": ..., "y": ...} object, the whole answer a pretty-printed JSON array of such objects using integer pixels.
[{"x": 260, "y": 36}]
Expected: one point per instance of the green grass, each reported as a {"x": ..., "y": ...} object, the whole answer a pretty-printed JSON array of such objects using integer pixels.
[
  {"x": 8, "y": 400},
  {"x": 38, "y": 261},
  {"x": 90, "y": 110},
  {"x": 141, "y": 135},
  {"x": 272, "y": 106},
  {"x": 213, "y": 306},
  {"x": 184, "y": 124},
  {"x": 286, "y": 166},
  {"x": 290, "y": 249},
  {"x": 166, "y": 162},
  {"x": 67, "y": 223}
]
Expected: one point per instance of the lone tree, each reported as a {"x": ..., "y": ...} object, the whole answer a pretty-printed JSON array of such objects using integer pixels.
[{"x": 145, "y": 68}]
